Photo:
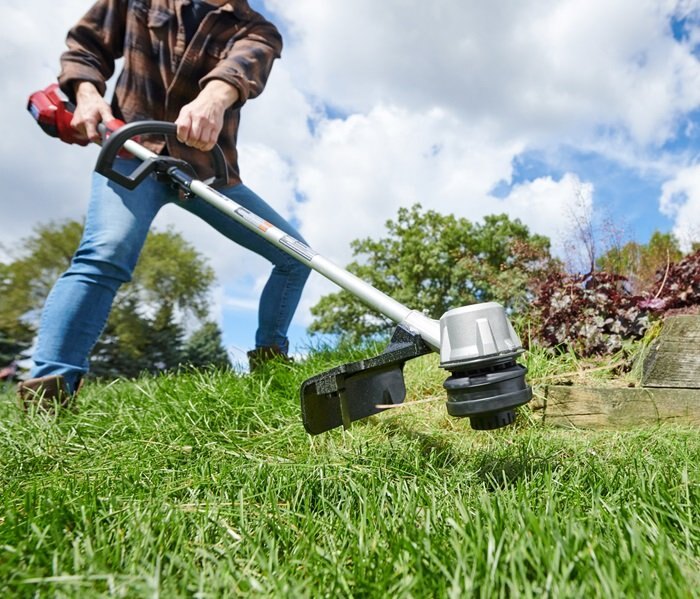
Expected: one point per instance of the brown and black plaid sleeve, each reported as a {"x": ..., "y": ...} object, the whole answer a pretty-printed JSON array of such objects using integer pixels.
[{"x": 161, "y": 74}]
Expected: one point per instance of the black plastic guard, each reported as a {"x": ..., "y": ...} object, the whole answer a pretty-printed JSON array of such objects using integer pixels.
[{"x": 355, "y": 390}]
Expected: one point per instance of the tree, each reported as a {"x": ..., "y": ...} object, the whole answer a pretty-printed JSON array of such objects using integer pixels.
[
  {"x": 24, "y": 283},
  {"x": 205, "y": 347},
  {"x": 10, "y": 349},
  {"x": 133, "y": 343},
  {"x": 122, "y": 347},
  {"x": 639, "y": 263},
  {"x": 589, "y": 233},
  {"x": 171, "y": 272},
  {"x": 434, "y": 262},
  {"x": 164, "y": 348},
  {"x": 170, "y": 282},
  {"x": 15, "y": 334}
]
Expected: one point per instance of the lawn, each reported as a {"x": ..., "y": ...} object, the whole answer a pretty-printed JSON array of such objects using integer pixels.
[{"x": 206, "y": 485}]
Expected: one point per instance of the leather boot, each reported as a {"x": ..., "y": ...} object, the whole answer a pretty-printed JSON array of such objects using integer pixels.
[
  {"x": 47, "y": 395},
  {"x": 260, "y": 356}
]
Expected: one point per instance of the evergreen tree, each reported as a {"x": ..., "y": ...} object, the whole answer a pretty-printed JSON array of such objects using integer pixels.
[
  {"x": 121, "y": 350},
  {"x": 164, "y": 347},
  {"x": 205, "y": 347}
]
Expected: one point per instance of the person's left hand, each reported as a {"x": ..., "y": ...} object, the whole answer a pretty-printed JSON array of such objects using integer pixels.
[{"x": 199, "y": 122}]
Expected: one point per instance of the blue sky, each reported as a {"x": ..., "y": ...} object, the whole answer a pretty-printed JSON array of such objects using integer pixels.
[
  {"x": 622, "y": 192},
  {"x": 530, "y": 107}
]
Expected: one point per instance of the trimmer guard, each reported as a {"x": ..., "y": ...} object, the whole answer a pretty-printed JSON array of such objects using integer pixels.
[{"x": 360, "y": 389}]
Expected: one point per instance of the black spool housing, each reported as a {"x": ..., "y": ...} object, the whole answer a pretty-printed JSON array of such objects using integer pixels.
[{"x": 487, "y": 391}]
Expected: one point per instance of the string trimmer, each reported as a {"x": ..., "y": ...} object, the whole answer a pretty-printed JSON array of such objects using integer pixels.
[{"x": 477, "y": 344}]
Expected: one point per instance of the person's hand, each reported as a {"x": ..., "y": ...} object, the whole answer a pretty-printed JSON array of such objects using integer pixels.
[
  {"x": 199, "y": 122},
  {"x": 90, "y": 110}
]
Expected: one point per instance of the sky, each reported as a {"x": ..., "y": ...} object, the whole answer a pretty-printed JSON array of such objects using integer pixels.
[{"x": 542, "y": 109}]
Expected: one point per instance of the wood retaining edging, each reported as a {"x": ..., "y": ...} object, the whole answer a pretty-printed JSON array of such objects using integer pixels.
[
  {"x": 674, "y": 359},
  {"x": 614, "y": 408},
  {"x": 670, "y": 390}
]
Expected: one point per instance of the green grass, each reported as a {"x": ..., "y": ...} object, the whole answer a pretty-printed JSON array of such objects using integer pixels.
[{"x": 206, "y": 485}]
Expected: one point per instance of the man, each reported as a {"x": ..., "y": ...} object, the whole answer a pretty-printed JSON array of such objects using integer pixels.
[{"x": 192, "y": 62}]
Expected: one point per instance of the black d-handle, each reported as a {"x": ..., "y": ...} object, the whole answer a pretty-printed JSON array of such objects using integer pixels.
[{"x": 116, "y": 139}]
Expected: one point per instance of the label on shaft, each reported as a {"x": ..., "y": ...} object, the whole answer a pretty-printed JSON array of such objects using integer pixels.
[
  {"x": 253, "y": 219},
  {"x": 288, "y": 241},
  {"x": 298, "y": 247}
]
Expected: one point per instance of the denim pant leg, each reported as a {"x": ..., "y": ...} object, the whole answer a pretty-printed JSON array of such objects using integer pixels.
[
  {"x": 282, "y": 292},
  {"x": 77, "y": 308}
]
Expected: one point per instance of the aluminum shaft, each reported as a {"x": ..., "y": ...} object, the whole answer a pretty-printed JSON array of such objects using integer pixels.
[{"x": 427, "y": 328}]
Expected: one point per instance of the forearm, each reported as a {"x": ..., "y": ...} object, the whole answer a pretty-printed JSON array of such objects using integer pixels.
[
  {"x": 84, "y": 90},
  {"x": 199, "y": 122},
  {"x": 219, "y": 94}
]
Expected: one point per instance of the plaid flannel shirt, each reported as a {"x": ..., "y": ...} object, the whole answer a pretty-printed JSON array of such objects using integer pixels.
[{"x": 160, "y": 75}]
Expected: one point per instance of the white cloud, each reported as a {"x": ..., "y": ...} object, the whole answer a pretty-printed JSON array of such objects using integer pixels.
[
  {"x": 279, "y": 117},
  {"x": 241, "y": 303},
  {"x": 362, "y": 169},
  {"x": 680, "y": 200},
  {"x": 543, "y": 69},
  {"x": 545, "y": 205}
]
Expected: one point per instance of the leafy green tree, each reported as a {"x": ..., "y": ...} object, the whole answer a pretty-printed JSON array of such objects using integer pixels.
[
  {"x": 434, "y": 262},
  {"x": 205, "y": 347},
  {"x": 10, "y": 349},
  {"x": 171, "y": 272},
  {"x": 171, "y": 279},
  {"x": 15, "y": 334},
  {"x": 24, "y": 284},
  {"x": 640, "y": 263}
]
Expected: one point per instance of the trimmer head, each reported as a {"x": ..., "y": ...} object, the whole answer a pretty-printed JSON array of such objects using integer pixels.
[{"x": 478, "y": 346}]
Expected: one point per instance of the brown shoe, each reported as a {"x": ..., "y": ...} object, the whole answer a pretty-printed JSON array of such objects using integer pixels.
[
  {"x": 47, "y": 394},
  {"x": 260, "y": 356}
]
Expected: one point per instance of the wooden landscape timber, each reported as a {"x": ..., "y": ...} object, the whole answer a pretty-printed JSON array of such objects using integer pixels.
[
  {"x": 674, "y": 360},
  {"x": 616, "y": 408},
  {"x": 669, "y": 391}
]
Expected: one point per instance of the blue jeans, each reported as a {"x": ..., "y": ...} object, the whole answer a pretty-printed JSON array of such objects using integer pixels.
[{"x": 116, "y": 226}]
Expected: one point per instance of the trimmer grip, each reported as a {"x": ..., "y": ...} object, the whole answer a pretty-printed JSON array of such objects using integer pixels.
[
  {"x": 112, "y": 126},
  {"x": 115, "y": 140}
]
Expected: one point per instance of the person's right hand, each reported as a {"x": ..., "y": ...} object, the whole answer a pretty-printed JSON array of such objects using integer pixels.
[{"x": 90, "y": 110}]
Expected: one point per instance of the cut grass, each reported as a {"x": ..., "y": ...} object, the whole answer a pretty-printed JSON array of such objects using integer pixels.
[{"x": 205, "y": 484}]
